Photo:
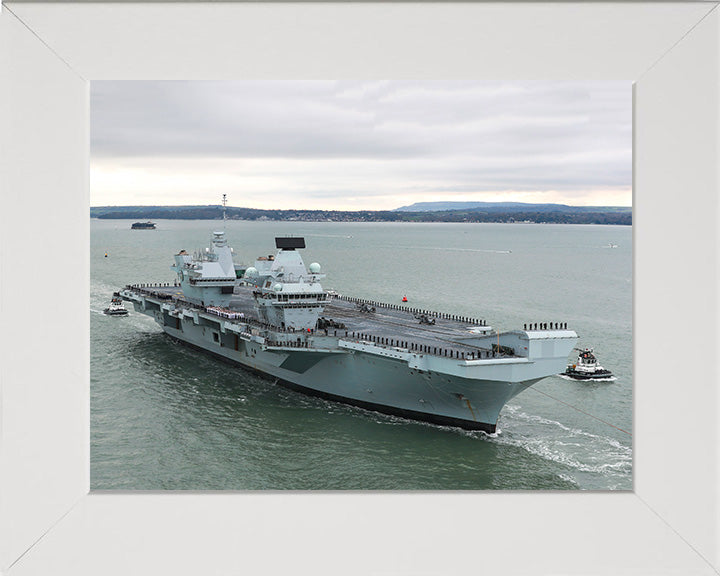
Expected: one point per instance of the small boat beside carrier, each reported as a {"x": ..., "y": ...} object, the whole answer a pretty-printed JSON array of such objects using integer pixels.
[
  {"x": 587, "y": 368},
  {"x": 117, "y": 306}
]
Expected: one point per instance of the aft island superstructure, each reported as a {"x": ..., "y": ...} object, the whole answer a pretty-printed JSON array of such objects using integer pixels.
[{"x": 275, "y": 318}]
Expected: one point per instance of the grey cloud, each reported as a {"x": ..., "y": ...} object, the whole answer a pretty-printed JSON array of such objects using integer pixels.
[
  {"x": 249, "y": 119},
  {"x": 519, "y": 136}
]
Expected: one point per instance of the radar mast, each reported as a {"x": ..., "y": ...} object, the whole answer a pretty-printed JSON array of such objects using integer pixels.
[{"x": 224, "y": 202}]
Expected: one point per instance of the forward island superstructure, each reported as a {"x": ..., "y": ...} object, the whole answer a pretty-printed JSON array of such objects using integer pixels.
[{"x": 275, "y": 318}]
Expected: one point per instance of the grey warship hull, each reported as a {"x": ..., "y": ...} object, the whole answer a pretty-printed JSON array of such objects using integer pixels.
[{"x": 381, "y": 359}]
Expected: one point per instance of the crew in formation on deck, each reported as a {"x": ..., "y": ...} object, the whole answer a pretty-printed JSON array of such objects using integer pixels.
[{"x": 546, "y": 326}]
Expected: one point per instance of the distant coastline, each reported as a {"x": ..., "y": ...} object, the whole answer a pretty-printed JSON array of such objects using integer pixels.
[{"x": 479, "y": 212}]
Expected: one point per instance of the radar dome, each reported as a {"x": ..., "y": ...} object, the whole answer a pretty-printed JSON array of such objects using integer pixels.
[
  {"x": 315, "y": 268},
  {"x": 277, "y": 287},
  {"x": 251, "y": 272}
]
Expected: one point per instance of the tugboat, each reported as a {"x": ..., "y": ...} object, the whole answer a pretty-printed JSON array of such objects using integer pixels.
[
  {"x": 117, "y": 307},
  {"x": 587, "y": 368}
]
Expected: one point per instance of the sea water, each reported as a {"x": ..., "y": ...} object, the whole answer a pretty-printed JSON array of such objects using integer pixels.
[{"x": 164, "y": 416}]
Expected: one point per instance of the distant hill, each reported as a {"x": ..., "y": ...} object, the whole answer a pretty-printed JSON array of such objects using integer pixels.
[
  {"x": 507, "y": 207},
  {"x": 487, "y": 212},
  {"x": 209, "y": 212}
]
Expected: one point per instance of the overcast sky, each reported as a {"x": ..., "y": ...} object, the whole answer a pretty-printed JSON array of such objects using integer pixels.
[{"x": 360, "y": 145}]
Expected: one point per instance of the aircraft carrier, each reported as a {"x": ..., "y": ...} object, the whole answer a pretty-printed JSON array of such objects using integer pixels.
[{"x": 276, "y": 319}]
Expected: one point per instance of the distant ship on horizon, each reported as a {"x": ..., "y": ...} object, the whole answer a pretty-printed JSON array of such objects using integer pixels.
[{"x": 143, "y": 225}]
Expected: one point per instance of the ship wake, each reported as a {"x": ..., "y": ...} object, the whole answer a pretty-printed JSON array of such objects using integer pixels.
[
  {"x": 582, "y": 452},
  {"x": 608, "y": 379}
]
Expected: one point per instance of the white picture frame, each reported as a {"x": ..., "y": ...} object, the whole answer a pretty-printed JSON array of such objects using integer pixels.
[{"x": 49, "y": 520}]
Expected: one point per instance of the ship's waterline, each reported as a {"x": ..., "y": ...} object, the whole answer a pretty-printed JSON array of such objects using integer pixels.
[{"x": 523, "y": 444}]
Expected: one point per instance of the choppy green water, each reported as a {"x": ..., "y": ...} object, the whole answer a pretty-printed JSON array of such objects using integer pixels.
[{"x": 167, "y": 417}]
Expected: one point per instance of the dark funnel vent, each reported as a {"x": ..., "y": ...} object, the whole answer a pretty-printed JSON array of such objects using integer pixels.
[{"x": 289, "y": 243}]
